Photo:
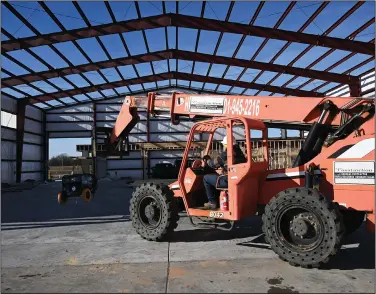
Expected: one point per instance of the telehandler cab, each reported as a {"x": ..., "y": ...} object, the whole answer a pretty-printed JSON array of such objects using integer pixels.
[{"x": 306, "y": 209}]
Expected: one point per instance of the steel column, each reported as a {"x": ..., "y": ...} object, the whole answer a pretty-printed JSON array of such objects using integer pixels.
[
  {"x": 21, "y": 109},
  {"x": 94, "y": 139},
  {"x": 45, "y": 147},
  {"x": 355, "y": 90}
]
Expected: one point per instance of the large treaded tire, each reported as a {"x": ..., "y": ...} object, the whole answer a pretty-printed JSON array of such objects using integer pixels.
[
  {"x": 329, "y": 219},
  {"x": 352, "y": 220},
  {"x": 62, "y": 198},
  {"x": 168, "y": 211}
]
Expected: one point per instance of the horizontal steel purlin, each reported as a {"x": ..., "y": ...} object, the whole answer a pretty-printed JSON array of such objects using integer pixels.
[
  {"x": 177, "y": 76},
  {"x": 192, "y": 22},
  {"x": 182, "y": 55}
]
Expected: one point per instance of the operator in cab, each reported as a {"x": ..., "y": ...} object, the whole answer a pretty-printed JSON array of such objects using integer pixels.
[{"x": 210, "y": 180}]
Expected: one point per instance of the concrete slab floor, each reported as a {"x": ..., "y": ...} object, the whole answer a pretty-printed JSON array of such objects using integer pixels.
[{"x": 93, "y": 248}]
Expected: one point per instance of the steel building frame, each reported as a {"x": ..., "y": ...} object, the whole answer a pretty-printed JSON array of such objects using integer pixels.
[{"x": 177, "y": 21}]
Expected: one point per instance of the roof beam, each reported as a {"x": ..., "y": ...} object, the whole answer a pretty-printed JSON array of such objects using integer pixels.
[
  {"x": 88, "y": 32},
  {"x": 193, "y": 23},
  {"x": 208, "y": 79},
  {"x": 203, "y": 6},
  {"x": 328, "y": 31},
  {"x": 228, "y": 15},
  {"x": 183, "y": 55},
  {"x": 105, "y": 86},
  {"x": 172, "y": 75},
  {"x": 240, "y": 44},
  {"x": 48, "y": 74},
  {"x": 266, "y": 40}
]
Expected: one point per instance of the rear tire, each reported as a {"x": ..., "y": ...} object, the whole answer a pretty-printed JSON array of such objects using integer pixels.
[
  {"x": 86, "y": 195},
  {"x": 352, "y": 220},
  {"x": 62, "y": 198},
  {"x": 154, "y": 212},
  {"x": 303, "y": 227}
]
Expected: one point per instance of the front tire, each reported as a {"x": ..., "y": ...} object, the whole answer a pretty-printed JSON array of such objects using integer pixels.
[
  {"x": 153, "y": 210},
  {"x": 303, "y": 227},
  {"x": 62, "y": 198}
]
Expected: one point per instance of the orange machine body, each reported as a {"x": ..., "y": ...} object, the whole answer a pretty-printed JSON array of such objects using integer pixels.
[{"x": 251, "y": 184}]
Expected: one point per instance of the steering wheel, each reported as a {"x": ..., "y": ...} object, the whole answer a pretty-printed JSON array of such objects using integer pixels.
[
  {"x": 215, "y": 163},
  {"x": 206, "y": 157},
  {"x": 197, "y": 164},
  {"x": 200, "y": 163}
]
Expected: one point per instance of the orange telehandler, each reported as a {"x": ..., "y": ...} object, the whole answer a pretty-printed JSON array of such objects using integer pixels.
[{"x": 306, "y": 209}]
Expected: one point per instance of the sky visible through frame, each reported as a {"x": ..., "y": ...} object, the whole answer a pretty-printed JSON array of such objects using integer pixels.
[{"x": 242, "y": 13}]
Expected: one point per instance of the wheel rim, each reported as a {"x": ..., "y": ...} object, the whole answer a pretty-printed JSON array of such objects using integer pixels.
[
  {"x": 150, "y": 212},
  {"x": 299, "y": 228}
]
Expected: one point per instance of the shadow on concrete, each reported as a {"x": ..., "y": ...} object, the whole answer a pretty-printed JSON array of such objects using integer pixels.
[
  {"x": 250, "y": 227},
  {"x": 63, "y": 223},
  {"x": 357, "y": 252},
  {"x": 40, "y": 204}
]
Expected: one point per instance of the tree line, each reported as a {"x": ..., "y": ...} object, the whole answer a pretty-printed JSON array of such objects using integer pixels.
[{"x": 61, "y": 159}]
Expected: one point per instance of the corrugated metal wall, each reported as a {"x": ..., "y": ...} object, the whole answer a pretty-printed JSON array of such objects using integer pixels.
[
  {"x": 34, "y": 143},
  {"x": 8, "y": 139},
  {"x": 33, "y": 150},
  {"x": 367, "y": 85},
  {"x": 77, "y": 122}
]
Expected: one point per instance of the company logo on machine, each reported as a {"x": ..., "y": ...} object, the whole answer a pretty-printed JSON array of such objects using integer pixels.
[
  {"x": 187, "y": 104},
  {"x": 354, "y": 172},
  {"x": 206, "y": 104}
]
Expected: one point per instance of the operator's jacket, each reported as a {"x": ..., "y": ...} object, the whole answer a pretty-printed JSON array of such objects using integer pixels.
[{"x": 238, "y": 158}]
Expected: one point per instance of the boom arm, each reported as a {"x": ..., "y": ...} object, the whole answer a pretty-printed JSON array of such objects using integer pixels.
[{"x": 293, "y": 111}]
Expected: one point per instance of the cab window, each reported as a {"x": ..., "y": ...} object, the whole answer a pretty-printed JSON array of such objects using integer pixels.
[{"x": 257, "y": 146}]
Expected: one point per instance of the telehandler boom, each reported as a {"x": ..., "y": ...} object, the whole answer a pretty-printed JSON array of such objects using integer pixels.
[{"x": 306, "y": 209}]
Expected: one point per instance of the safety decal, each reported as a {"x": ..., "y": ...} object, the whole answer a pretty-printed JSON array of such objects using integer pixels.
[
  {"x": 354, "y": 172},
  {"x": 289, "y": 175},
  {"x": 360, "y": 149},
  {"x": 206, "y": 104}
]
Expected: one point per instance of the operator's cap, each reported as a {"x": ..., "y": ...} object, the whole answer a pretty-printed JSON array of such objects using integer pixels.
[{"x": 224, "y": 141}]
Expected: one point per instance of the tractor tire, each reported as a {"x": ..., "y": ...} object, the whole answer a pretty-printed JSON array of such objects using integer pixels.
[
  {"x": 154, "y": 211},
  {"x": 352, "y": 220},
  {"x": 86, "y": 195},
  {"x": 303, "y": 227},
  {"x": 62, "y": 198}
]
